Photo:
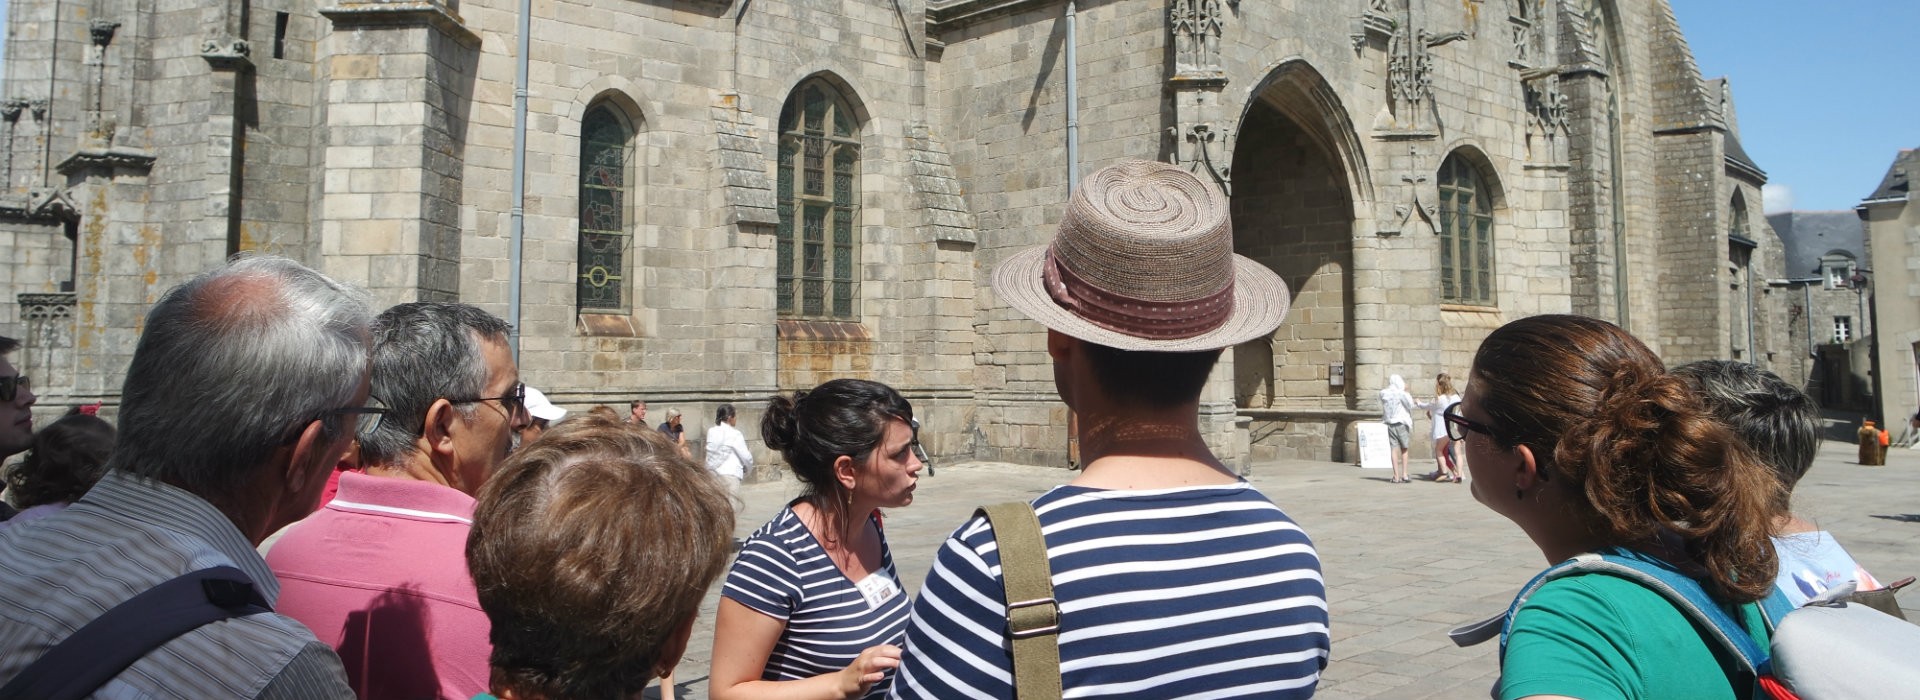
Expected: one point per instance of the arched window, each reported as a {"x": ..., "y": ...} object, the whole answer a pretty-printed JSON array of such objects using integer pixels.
[
  {"x": 1466, "y": 234},
  {"x": 817, "y": 251},
  {"x": 1740, "y": 247},
  {"x": 606, "y": 194}
]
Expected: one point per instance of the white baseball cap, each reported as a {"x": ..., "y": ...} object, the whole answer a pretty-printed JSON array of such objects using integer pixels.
[{"x": 539, "y": 407}]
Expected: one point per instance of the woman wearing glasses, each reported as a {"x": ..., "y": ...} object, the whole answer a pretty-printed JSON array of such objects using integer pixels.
[
  {"x": 1575, "y": 432},
  {"x": 813, "y": 607}
]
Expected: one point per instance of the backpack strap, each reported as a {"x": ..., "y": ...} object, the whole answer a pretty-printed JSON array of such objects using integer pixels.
[
  {"x": 1686, "y": 595},
  {"x": 1033, "y": 616},
  {"x": 106, "y": 646}
]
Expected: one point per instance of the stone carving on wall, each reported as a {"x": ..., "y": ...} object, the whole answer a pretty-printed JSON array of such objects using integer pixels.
[
  {"x": 1196, "y": 146},
  {"x": 49, "y": 342},
  {"x": 1421, "y": 201},
  {"x": 1196, "y": 27},
  {"x": 1546, "y": 113},
  {"x": 1409, "y": 110},
  {"x": 11, "y": 109}
]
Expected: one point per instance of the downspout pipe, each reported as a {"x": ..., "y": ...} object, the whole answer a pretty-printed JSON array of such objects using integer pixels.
[
  {"x": 517, "y": 216},
  {"x": 1073, "y": 101}
]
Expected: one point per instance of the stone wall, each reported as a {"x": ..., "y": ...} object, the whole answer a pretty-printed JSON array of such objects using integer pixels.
[{"x": 375, "y": 141}]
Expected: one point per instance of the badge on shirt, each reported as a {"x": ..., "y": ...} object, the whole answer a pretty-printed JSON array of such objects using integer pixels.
[{"x": 877, "y": 588}]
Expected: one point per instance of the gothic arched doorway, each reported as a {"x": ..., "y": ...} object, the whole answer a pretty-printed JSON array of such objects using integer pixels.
[{"x": 1293, "y": 211}]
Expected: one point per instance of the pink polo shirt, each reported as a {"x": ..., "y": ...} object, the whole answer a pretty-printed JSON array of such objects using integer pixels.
[{"x": 380, "y": 574}]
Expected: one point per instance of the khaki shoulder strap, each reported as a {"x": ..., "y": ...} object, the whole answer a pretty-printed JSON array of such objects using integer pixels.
[{"x": 1033, "y": 617}]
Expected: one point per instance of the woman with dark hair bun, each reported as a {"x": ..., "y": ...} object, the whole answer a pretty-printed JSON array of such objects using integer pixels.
[
  {"x": 66, "y": 459},
  {"x": 1575, "y": 431},
  {"x": 813, "y": 607}
]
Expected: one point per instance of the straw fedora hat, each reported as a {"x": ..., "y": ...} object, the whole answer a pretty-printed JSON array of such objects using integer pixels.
[{"x": 1143, "y": 260}]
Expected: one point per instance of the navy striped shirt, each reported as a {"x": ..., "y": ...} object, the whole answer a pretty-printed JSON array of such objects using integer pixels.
[
  {"x": 783, "y": 572},
  {"x": 1206, "y": 592}
]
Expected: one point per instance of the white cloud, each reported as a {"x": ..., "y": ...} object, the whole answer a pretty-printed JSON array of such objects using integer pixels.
[{"x": 1776, "y": 198}]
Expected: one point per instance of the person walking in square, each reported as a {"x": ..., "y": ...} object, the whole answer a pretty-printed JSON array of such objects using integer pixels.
[
  {"x": 1396, "y": 409},
  {"x": 1171, "y": 575},
  {"x": 1445, "y": 465}
]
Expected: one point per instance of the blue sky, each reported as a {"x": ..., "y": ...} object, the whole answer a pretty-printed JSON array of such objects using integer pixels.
[
  {"x": 1826, "y": 96},
  {"x": 1828, "y": 92}
]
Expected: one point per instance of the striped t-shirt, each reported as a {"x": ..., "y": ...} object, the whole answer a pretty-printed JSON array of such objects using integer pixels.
[
  {"x": 783, "y": 572},
  {"x": 1194, "y": 592}
]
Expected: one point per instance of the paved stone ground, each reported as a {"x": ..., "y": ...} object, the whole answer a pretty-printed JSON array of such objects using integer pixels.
[{"x": 1403, "y": 563}]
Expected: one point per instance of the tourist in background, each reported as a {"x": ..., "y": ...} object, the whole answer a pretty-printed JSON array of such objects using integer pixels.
[
  {"x": 675, "y": 432},
  {"x": 541, "y": 414},
  {"x": 1782, "y": 426},
  {"x": 66, "y": 459},
  {"x": 16, "y": 404},
  {"x": 813, "y": 607},
  {"x": 1575, "y": 432},
  {"x": 591, "y": 550},
  {"x": 727, "y": 453},
  {"x": 1445, "y": 466},
  {"x": 637, "y": 412},
  {"x": 1396, "y": 410}
]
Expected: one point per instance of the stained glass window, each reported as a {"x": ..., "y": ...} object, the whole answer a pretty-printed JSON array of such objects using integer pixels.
[
  {"x": 606, "y": 147},
  {"x": 1466, "y": 234},
  {"x": 817, "y": 252}
]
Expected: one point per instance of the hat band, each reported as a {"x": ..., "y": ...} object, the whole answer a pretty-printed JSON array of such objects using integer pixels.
[{"x": 1140, "y": 318}]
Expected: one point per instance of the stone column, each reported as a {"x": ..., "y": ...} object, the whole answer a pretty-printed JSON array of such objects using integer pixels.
[
  {"x": 398, "y": 79},
  {"x": 120, "y": 264}
]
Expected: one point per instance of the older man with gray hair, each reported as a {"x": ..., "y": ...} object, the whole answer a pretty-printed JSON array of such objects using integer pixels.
[
  {"x": 381, "y": 571},
  {"x": 247, "y": 385}
]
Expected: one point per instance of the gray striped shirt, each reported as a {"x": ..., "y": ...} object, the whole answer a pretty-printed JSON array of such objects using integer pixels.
[{"x": 125, "y": 536}]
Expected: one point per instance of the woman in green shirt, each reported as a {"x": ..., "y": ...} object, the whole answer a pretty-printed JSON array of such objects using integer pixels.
[{"x": 1574, "y": 431}]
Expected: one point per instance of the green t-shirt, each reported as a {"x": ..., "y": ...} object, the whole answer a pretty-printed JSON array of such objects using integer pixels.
[{"x": 1600, "y": 637}]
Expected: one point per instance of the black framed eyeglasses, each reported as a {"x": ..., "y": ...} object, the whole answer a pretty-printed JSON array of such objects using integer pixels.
[
  {"x": 1458, "y": 425},
  {"x": 515, "y": 401},
  {"x": 11, "y": 386},
  {"x": 366, "y": 418}
]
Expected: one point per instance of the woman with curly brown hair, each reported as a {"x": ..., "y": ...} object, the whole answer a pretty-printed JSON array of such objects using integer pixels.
[
  {"x": 66, "y": 459},
  {"x": 1575, "y": 431}
]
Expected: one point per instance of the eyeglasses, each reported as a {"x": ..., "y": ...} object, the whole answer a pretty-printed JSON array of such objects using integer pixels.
[
  {"x": 366, "y": 418},
  {"x": 11, "y": 386},
  {"x": 1458, "y": 425},
  {"x": 515, "y": 402}
]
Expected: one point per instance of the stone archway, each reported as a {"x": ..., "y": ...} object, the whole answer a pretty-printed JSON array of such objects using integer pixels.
[{"x": 1293, "y": 211}]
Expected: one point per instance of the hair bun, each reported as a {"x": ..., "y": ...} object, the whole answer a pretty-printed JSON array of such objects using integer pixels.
[{"x": 780, "y": 426}]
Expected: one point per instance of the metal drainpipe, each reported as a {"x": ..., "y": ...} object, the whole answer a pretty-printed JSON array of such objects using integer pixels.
[
  {"x": 517, "y": 216},
  {"x": 1073, "y": 104},
  {"x": 1073, "y": 183}
]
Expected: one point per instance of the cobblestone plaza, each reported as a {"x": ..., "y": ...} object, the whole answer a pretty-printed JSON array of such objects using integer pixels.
[{"x": 1403, "y": 563}]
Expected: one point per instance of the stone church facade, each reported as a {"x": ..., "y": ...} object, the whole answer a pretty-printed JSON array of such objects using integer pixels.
[{"x": 728, "y": 198}]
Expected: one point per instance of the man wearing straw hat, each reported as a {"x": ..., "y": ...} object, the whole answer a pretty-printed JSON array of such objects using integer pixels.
[{"x": 1171, "y": 575}]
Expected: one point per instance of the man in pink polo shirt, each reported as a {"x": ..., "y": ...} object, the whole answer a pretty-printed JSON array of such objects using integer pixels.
[{"x": 380, "y": 573}]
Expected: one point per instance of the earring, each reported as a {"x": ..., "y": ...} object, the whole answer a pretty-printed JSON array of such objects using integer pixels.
[{"x": 849, "y": 497}]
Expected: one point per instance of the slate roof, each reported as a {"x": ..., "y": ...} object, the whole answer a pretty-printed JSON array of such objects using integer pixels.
[
  {"x": 1737, "y": 156},
  {"x": 1898, "y": 182},
  {"x": 1807, "y": 235}
]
